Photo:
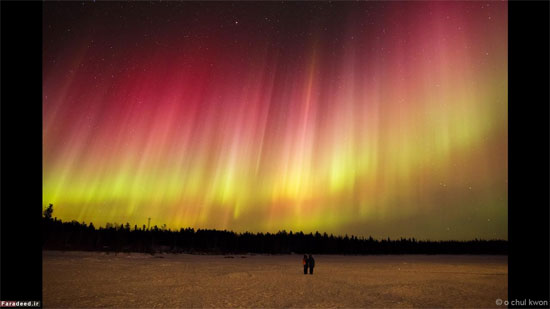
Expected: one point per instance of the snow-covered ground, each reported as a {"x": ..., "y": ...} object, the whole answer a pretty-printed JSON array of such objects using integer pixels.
[{"x": 91, "y": 279}]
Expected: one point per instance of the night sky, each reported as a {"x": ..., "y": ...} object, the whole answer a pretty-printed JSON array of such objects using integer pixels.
[{"x": 382, "y": 118}]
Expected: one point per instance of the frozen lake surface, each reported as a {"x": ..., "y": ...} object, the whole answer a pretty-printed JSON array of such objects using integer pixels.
[{"x": 93, "y": 279}]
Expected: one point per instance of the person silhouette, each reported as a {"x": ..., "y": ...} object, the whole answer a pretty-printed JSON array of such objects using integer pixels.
[
  {"x": 305, "y": 263},
  {"x": 311, "y": 264}
]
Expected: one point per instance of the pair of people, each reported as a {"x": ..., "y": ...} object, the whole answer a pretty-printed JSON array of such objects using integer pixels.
[{"x": 308, "y": 262}]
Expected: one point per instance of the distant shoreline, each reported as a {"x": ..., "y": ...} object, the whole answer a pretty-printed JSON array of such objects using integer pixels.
[
  {"x": 238, "y": 255},
  {"x": 75, "y": 236}
]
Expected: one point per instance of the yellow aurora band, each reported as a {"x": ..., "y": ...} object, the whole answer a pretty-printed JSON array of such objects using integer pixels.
[{"x": 392, "y": 123}]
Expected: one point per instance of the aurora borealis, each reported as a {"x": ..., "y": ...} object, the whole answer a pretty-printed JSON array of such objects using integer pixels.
[{"x": 378, "y": 118}]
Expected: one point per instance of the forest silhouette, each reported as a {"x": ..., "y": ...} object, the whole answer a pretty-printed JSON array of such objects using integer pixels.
[{"x": 59, "y": 235}]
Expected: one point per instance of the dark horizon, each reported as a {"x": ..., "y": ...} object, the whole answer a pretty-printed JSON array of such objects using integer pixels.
[
  {"x": 76, "y": 236},
  {"x": 164, "y": 227}
]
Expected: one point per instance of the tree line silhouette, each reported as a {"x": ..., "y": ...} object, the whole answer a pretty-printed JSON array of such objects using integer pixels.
[{"x": 58, "y": 235}]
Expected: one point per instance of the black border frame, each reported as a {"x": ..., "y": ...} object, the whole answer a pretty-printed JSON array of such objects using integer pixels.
[
  {"x": 528, "y": 155},
  {"x": 21, "y": 160},
  {"x": 21, "y": 156}
]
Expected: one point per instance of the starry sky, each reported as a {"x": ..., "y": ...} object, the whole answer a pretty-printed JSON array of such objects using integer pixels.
[{"x": 383, "y": 119}]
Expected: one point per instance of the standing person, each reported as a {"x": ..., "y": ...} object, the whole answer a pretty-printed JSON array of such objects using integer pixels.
[
  {"x": 311, "y": 262},
  {"x": 305, "y": 263}
]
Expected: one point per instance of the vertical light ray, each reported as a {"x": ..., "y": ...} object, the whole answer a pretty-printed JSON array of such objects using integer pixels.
[{"x": 393, "y": 120}]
